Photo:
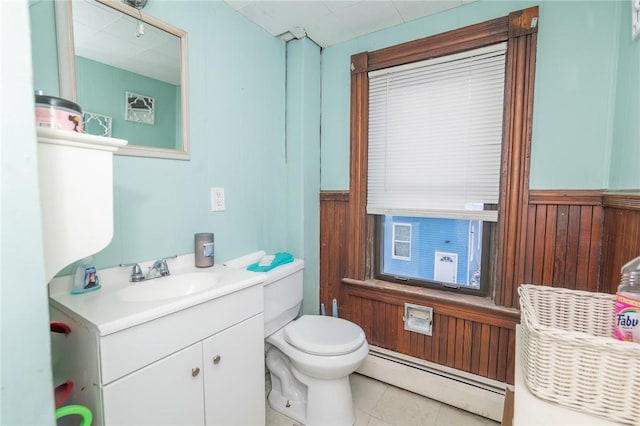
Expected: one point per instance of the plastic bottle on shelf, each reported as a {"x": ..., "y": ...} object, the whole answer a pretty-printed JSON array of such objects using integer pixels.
[{"x": 627, "y": 320}]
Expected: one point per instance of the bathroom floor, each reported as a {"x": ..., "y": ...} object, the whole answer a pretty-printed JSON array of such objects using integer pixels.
[{"x": 380, "y": 404}]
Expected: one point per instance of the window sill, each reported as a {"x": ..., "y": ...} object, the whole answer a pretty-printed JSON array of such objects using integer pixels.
[{"x": 475, "y": 308}]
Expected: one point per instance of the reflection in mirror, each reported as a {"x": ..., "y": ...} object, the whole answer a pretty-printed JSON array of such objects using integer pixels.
[
  {"x": 96, "y": 124},
  {"x": 129, "y": 70},
  {"x": 140, "y": 108}
]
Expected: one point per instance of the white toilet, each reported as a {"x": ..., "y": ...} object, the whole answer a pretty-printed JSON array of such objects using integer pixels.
[{"x": 309, "y": 358}]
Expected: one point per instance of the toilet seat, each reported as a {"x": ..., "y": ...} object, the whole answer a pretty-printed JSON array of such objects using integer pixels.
[{"x": 321, "y": 335}]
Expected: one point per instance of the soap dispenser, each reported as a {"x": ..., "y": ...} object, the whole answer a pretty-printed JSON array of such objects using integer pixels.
[{"x": 85, "y": 277}]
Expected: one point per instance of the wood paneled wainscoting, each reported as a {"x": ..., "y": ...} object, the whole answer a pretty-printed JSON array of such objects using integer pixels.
[
  {"x": 572, "y": 239},
  {"x": 563, "y": 239},
  {"x": 334, "y": 238},
  {"x": 466, "y": 335},
  {"x": 621, "y": 235}
]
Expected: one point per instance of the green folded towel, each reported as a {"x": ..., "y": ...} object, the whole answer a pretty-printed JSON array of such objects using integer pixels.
[{"x": 279, "y": 259}]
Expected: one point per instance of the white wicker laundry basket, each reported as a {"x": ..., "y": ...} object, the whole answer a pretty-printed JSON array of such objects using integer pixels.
[{"x": 570, "y": 357}]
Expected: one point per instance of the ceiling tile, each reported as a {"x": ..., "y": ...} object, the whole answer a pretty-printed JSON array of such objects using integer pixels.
[
  {"x": 410, "y": 10},
  {"x": 367, "y": 17},
  {"x": 102, "y": 35},
  {"x": 337, "y": 6},
  {"x": 330, "y": 22},
  {"x": 340, "y": 31},
  {"x": 238, "y": 4},
  {"x": 256, "y": 13},
  {"x": 93, "y": 14},
  {"x": 278, "y": 17}
]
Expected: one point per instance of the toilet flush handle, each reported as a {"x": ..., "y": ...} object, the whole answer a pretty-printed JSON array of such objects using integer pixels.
[{"x": 216, "y": 359}]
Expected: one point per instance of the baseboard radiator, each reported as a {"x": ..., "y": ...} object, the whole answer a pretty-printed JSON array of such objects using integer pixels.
[{"x": 466, "y": 391}]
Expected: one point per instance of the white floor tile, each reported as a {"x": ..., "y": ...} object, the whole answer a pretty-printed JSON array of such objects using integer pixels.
[
  {"x": 451, "y": 416},
  {"x": 380, "y": 404},
  {"x": 366, "y": 392},
  {"x": 362, "y": 418},
  {"x": 400, "y": 407},
  {"x": 273, "y": 418},
  {"x": 373, "y": 421}
]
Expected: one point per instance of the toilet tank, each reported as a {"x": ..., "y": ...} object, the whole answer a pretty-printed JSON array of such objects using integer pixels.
[{"x": 282, "y": 295}]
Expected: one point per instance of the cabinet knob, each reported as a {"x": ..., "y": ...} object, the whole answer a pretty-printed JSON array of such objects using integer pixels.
[
  {"x": 195, "y": 371},
  {"x": 216, "y": 359}
]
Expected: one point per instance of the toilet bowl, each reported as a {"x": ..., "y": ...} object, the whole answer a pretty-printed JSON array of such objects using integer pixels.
[
  {"x": 309, "y": 358},
  {"x": 322, "y": 347},
  {"x": 310, "y": 361}
]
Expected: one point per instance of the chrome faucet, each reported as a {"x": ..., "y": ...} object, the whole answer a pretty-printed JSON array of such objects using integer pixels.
[
  {"x": 136, "y": 273},
  {"x": 161, "y": 267},
  {"x": 157, "y": 270}
]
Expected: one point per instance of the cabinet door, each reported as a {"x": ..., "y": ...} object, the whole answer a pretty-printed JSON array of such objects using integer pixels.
[
  {"x": 234, "y": 375},
  {"x": 167, "y": 392}
]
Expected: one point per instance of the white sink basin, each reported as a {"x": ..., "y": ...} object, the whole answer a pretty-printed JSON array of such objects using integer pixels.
[{"x": 171, "y": 287}]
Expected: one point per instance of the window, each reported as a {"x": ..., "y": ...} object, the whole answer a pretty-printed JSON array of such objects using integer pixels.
[
  {"x": 435, "y": 135},
  {"x": 448, "y": 251},
  {"x": 401, "y": 241},
  {"x": 501, "y": 245}
]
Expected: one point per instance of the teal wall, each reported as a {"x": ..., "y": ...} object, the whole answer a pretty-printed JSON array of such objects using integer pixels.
[
  {"x": 236, "y": 80},
  {"x": 236, "y": 76},
  {"x": 101, "y": 89},
  {"x": 243, "y": 138},
  {"x": 26, "y": 383},
  {"x": 574, "y": 94},
  {"x": 574, "y": 91},
  {"x": 303, "y": 161},
  {"x": 255, "y": 106},
  {"x": 625, "y": 155},
  {"x": 45, "y": 57}
]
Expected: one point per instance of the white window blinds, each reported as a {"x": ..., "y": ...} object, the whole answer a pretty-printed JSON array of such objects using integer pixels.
[{"x": 435, "y": 136}]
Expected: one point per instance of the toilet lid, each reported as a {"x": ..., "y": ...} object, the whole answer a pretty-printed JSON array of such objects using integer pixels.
[{"x": 320, "y": 335}]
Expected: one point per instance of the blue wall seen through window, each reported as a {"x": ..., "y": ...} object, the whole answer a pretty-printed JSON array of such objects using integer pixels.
[{"x": 430, "y": 235}]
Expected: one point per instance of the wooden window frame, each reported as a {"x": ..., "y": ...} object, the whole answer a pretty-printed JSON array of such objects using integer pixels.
[{"x": 519, "y": 29}]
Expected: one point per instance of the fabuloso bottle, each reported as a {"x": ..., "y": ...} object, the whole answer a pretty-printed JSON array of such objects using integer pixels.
[{"x": 627, "y": 321}]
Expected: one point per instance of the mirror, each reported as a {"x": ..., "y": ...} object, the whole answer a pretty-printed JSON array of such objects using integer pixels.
[{"x": 128, "y": 73}]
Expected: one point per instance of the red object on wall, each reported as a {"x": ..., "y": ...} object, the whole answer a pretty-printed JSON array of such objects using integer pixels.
[{"x": 59, "y": 327}]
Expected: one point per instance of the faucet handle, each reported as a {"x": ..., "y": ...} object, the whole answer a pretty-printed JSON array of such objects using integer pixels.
[
  {"x": 136, "y": 272},
  {"x": 162, "y": 267}
]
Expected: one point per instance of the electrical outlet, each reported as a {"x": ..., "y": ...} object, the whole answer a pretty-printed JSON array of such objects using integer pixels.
[{"x": 217, "y": 199}]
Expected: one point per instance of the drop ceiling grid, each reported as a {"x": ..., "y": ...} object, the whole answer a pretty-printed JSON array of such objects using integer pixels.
[{"x": 332, "y": 22}]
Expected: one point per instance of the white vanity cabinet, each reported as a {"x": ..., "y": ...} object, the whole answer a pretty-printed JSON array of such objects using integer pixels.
[
  {"x": 163, "y": 393},
  {"x": 202, "y": 365},
  {"x": 232, "y": 360}
]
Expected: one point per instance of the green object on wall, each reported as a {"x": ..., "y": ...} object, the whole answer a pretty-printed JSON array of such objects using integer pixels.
[{"x": 86, "y": 417}]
